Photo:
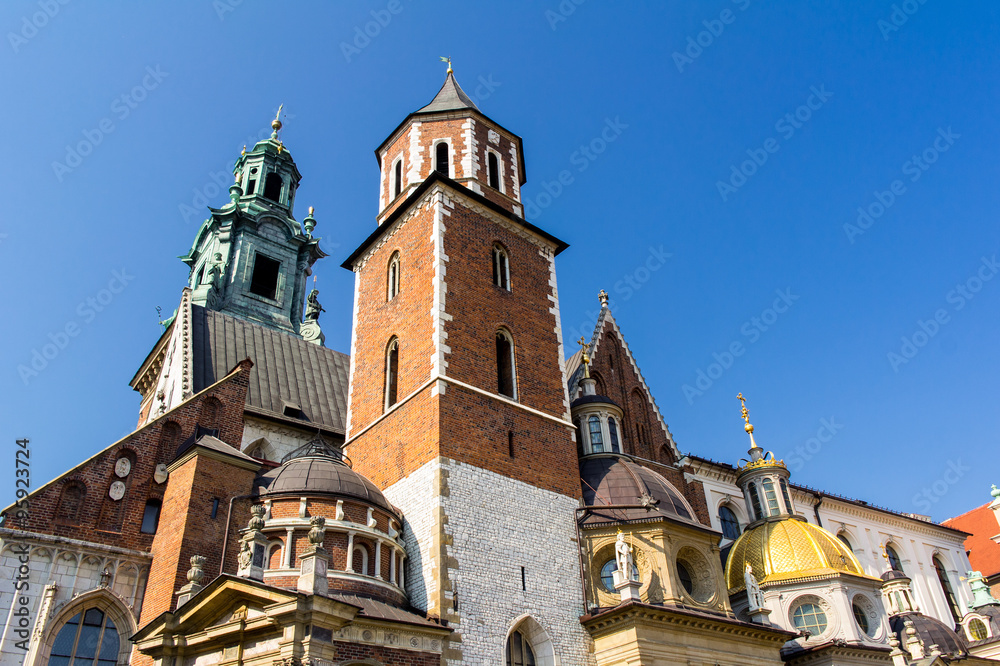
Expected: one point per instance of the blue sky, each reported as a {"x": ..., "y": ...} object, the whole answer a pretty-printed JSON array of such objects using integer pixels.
[{"x": 747, "y": 136}]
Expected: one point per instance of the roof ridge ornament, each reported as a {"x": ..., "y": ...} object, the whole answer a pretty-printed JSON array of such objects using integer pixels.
[
  {"x": 758, "y": 456},
  {"x": 447, "y": 59}
]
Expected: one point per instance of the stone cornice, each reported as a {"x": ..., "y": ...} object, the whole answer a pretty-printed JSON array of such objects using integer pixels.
[{"x": 8, "y": 535}]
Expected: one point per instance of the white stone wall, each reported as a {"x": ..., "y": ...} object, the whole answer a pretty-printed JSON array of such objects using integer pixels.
[
  {"x": 279, "y": 442},
  {"x": 497, "y": 525},
  {"x": 74, "y": 568}
]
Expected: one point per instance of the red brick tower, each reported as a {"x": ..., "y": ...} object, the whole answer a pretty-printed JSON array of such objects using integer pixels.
[{"x": 458, "y": 407}]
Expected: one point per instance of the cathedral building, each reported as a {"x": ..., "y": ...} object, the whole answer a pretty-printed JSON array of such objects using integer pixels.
[{"x": 459, "y": 488}]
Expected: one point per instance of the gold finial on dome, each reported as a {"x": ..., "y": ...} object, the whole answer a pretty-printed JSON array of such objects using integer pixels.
[
  {"x": 746, "y": 417},
  {"x": 447, "y": 60},
  {"x": 584, "y": 358}
]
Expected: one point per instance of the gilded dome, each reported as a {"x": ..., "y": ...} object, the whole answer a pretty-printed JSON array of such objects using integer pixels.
[{"x": 789, "y": 549}]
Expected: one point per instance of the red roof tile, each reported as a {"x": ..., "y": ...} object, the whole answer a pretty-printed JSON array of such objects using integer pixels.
[{"x": 981, "y": 524}]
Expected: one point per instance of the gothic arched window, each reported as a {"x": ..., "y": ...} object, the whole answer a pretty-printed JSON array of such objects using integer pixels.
[
  {"x": 70, "y": 503},
  {"x": 391, "y": 372},
  {"x": 493, "y": 170},
  {"x": 441, "y": 159},
  {"x": 949, "y": 594},
  {"x": 397, "y": 185},
  {"x": 596, "y": 436},
  {"x": 501, "y": 267},
  {"x": 730, "y": 523},
  {"x": 506, "y": 382},
  {"x": 89, "y": 637},
  {"x": 519, "y": 652},
  {"x": 392, "y": 277},
  {"x": 613, "y": 433},
  {"x": 272, "y": 187}
]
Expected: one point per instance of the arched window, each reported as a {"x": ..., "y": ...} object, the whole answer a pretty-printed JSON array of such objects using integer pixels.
[
  {"x": 397, "y": 180},
  {"x": 613, "y": 433},
  {"x": 596, "y": 436},
  {"x": 441, "y": 159},
  {"x": 272, "y": 187},
  {"x": 505, "y": 364},
  {"x": 391, "y": 372},
  {"x": 519, "y": 652},
  {"x": 772, "y": 499},
  {"x": 785, "y": 495},
  {"x": 360, "y": 560},
  {"x": 493, "y": 170},
  {"x": 730, "y": 523},
  {"x": 843, "y": 538},
  {"x": 894, "y": 561},
  {"x": 949, "y": 594},
  {"x": 755, "y": 502},
  {"x": 392, "y": 277},
  {"x": 501, "y": 267},
  {"x": 89, "y": 637},
  {"x": 685, "y": 577}
]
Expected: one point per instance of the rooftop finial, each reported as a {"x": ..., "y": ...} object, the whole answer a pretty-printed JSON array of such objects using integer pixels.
[
  {"x": 746, "y": 417},
  {"x": 447, "y": 60},
  {"x": 276, "y": 123},
  {"x": 584, "y": 358},
  {"x": 603, "y": 295}
]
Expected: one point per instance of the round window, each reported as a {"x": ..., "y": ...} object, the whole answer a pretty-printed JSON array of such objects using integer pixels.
[
  {"x": 862, "y": 618},
  {"x": 685, "y": 577},
  {"x": 977, "y": 630},
  {"x": 608, "y": 577},
  {"x": 809, "y": 617}
]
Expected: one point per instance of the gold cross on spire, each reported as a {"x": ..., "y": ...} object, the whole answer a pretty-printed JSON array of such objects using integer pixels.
[
  {"x": 746, "y": 417},
  {"x": 447, "y": 60},
  {"x": 584, "y": 358}
]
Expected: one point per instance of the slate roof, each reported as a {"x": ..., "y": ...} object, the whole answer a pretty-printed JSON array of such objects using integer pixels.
[
  {"x": 451, "y": 97},
  {"x": 215, "y": 444},
  {"x": 311, "y": 475},
  {"x": 611, "y": 480},
  {"x": 380, "y": 610},
  {"x": 287, "y": 370}
]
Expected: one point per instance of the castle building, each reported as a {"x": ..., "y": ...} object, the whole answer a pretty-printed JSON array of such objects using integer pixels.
[{"x": 453, "y": 491}]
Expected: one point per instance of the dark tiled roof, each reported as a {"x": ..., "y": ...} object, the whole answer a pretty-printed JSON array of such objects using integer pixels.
[
  {"x": 931, "y": 630},
  {"x": 380, "y": 610},
  {"x": 215, "y": 444},
  {"x": 287, "y": 369},
  {"x": 324, "y": 476},
  {"x": 451, "y": 97},
  {"x": 614, "y": 481}
]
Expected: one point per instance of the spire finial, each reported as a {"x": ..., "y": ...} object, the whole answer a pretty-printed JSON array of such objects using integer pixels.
[
  {"x": 584, "y": 358},
  {"x": 603, "y": 296},
  {"x": 447, "y": 60},
  {"x": 746, "y": 418},
  {"x": 276, "y": 123}
]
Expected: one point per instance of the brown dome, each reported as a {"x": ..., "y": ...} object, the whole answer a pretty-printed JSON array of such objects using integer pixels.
[
  {"x": 615, "y": 480},
  {"x": 322, "y": 475}
]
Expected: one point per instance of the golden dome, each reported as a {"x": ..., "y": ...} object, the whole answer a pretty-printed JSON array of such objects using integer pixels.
[{"x": 787, "y": 550}]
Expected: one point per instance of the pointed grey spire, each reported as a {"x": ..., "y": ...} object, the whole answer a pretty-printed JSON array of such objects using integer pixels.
[{"x": 451, "y": 97}]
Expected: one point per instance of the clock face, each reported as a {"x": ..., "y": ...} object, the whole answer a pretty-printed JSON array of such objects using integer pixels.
[
  {"x": 117, "y": 491},
  {"x": 123, "y": 467}
]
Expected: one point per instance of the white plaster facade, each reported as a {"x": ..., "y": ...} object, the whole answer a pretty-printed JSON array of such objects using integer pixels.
[{"x": 488, "y": 541}]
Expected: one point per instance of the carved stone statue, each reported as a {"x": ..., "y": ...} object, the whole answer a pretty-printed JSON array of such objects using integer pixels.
[
  {"x": 623, "y": 557},
  {"x": 754, "y": 595},
  {"x": 317, "y": 532},
  {"x": 313, "y": 308},
  {"x": 246, "y": 555}
]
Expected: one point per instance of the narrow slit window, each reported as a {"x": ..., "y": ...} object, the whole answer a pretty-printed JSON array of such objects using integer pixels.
[
  {"x": 771, "y": 497},
  {"x": 392, "y": 277},
  {"x": 391, "y": 373},
  {"x": 510, "y": 443},
  {"x": 755, "y": 502},
  {"x": 151, "y": 517},
  {"x": 505, "y": 364},
  {"x": 264, "y": 280},
  {"x": 501, "y": 268},
  {"x": 398, "y": 178},
  {"x": 785, "y": 495},
  {"x": 493, "y": 169},
  {"x": 441, "y": 159}
]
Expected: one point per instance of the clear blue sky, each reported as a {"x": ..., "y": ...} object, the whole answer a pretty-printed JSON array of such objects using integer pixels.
[{"x": 862, "y": 96}]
